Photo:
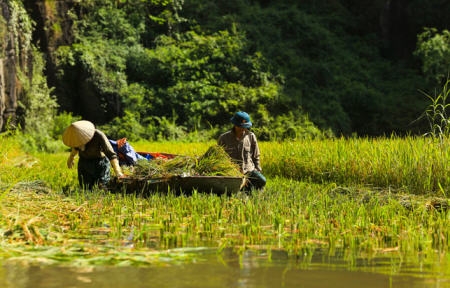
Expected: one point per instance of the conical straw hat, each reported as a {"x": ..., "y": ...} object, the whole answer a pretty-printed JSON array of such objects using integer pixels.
[{"x": 78, "y": 133}]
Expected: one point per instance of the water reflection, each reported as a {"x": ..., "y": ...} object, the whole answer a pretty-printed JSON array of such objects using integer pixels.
[{"x": 227, "y": 269}]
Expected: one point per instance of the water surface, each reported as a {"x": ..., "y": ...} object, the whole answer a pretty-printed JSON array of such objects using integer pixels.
[{"x": 228, "y": 269}]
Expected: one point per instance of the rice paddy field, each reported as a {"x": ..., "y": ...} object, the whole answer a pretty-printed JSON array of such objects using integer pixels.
[{"x": 359, "y": 198}]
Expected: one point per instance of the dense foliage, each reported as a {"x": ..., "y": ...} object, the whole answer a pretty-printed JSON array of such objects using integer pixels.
[
  {"x": 152, "y": 69},
  {"x": 181, "y": 81},
  {"x": 186, "y": 66}
]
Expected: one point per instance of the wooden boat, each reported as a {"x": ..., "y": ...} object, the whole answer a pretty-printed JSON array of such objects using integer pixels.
[{"x": 179, "y": 185}]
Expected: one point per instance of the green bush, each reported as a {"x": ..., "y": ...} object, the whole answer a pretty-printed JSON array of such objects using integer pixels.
[{"x": 433, "y": 49}]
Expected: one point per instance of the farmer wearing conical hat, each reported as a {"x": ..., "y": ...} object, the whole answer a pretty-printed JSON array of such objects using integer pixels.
[
  {"x": 242, "y": 146},
  {"x": 96, "y": 155}
]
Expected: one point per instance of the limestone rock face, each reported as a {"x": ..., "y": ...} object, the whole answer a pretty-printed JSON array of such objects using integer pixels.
[
  {"x": 53, "y": 29},
  {"x": 14, "y": 54},
  {"x": 43, "y": 23}
]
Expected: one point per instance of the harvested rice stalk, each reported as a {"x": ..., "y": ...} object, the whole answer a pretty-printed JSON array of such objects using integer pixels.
[
  {"x": 216, "y": 162},
  {"x": 181, "y": 165},
  {"x": 162, "y": 168},
  {"x": 149, "y": 169}
]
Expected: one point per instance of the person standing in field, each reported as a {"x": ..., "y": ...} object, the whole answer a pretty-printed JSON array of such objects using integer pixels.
[
  {"x": 242, "y": 146},
  {"x": 96, "y": 155}
]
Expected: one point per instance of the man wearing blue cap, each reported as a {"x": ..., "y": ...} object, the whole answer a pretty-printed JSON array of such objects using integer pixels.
[{"x": 241, "y": 144}]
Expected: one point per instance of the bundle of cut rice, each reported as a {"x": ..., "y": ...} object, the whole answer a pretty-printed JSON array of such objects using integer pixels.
[{"x": 215, "y": 162}]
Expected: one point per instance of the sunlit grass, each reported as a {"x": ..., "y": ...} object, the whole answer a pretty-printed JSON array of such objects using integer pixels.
[
  {"x": 367, "y": 197},
  {"x": 417, "y": 165}
]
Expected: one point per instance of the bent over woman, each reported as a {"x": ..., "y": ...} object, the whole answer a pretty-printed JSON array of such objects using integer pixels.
[{"x": 96, "y": 155}]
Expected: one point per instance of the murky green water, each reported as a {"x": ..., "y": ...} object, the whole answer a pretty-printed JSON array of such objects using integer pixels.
[{"x": 251, "y": 269}]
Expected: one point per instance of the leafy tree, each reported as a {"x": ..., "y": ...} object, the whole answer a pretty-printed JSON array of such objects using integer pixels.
[
  {"x": 191, "y": 64},
  {"x": 433, "y": 49},
  {"x": 202, "y": 78},
  {"x": 329, "y": 59}
]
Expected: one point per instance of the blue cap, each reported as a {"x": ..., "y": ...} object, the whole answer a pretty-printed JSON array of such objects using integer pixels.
[{"x": 241, "y": 119}]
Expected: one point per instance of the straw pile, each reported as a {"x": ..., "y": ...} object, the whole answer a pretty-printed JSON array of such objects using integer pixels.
[{"x": 215, "y": 162}]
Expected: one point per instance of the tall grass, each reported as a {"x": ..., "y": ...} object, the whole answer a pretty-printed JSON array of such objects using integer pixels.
[
  {"x": 437, "y": 113},
  {"x": 417, "y": 165}
]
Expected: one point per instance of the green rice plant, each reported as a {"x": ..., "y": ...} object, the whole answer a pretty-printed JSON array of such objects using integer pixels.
[
  {"x": 415, "y": 164},
  {"x": 289, "y": 215},
  {"x": 358, "y": 197},
  {"x": 437, "y": 113}
]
